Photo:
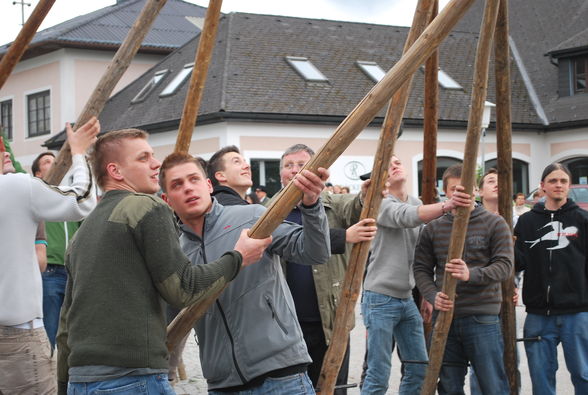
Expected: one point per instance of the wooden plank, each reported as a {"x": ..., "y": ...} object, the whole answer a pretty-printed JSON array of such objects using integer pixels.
[
  {"x": 120, "y": 63},
  {"x": 431, "y": 112},
  {"x": 198, "y": 79},
  {"x": 468, "y": 178},
  {"x": 505, "y": 189},
  {"x": 351, "y": 127},
  {"x": 26, "y": 34},
  {"x": 357, "y": 260},
  {"x": 2, "y": 151}
]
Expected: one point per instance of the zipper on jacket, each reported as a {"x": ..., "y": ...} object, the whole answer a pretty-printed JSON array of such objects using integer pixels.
[
  {"x": 275, "y": 316},
  {"x": 223, "y": 314},
  {"x": 232, "y": 342}
]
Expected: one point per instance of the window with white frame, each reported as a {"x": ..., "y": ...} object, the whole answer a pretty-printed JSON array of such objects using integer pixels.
[
  {"x": 151, "y": 84},
  {"x": 6, "y": 118},
  {"x": 371, "y": 69},
  {"x": 305, "y": 68},
  {"x": 39, "y": 113},
  {"x": 178, "y": 80}
]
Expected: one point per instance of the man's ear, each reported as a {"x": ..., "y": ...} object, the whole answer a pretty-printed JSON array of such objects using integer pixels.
[
  {"x": 209, "y": 183},
  {"x": 220, "y": 176},
  {"x": 114, "y": 172},
  {"x": 164, "y": 197}
]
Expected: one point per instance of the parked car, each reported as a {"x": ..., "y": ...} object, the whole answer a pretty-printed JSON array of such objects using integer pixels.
[{"x": 578, "y": 193}]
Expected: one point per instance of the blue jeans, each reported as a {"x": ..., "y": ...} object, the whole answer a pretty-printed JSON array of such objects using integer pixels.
[
  {"x": 128, "y": 385},
  {"x": 569, "y": 329},
  {"x": 296, "y": 384},
  {"x": 476, "y": 339},
  {"x": 387, "y": 319},
  {"x": 54, "y": 282}
]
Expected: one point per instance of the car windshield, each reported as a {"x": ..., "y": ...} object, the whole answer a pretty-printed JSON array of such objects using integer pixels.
[{"x": 579, "y": 195}]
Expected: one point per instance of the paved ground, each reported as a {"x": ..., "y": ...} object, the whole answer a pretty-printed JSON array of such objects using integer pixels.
[{"x": 195, "y": 384}]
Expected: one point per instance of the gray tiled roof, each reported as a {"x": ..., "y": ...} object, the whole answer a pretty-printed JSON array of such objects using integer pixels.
[
  {"x": 538, "y": 27},
  {"x": 249, "y": 76},
  {"x": 108, "y": 27},
  {"x": 576, "y": 42}
]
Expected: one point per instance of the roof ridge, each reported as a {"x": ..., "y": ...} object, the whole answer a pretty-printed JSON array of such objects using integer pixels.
[
  {"x": 224, "y": 81},
  {"x": 105, "y": 11}
]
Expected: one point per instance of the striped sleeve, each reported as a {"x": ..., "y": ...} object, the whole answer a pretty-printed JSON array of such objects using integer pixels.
[{"x": 65, "y": 203}]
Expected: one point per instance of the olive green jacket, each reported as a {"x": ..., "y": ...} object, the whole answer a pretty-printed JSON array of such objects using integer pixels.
[{"x": 343, "y": 210}]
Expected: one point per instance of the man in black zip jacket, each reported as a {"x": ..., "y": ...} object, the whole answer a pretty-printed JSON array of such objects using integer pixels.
[{"x": 552, "y": 248}]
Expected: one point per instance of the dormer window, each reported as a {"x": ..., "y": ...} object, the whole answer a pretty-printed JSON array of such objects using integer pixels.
[
  {"x": 305, "y": 68},
  {"x": 151, "y": 84},
  {"x": 446, "y": 81},
  {"x": 178, "y": 80},
  {"x": 371, "y": 69}
]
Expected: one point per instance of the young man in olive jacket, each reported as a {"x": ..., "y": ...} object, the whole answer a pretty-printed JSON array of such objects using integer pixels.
[{"x": 552, "y": 249}]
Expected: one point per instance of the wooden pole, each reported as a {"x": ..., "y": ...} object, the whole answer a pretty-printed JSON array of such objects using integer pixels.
[
  {"x": 120, "y": 63},
  {"x": 19, "y": 46},
  {"x": 429, "y": 174},
  {"x": 431, "y": 112},
  {"x": 2, "y": 151},
  {"x": 505, "y": 192},
  {"x": 198, "y": 79},
  {"x": 351, "y": 126},
  {"x": 460, "y": 222},
  {"x": 356, "y": 266}
]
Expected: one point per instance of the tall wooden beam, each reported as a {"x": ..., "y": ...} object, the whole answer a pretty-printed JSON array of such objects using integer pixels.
[
  {"x": 198, "y": 79},
  {"x": 356, "y": 266},
  {"x": 431, "y": 112},
  {"x": 19, "y": 46},
  {"x": 460, "y": 222},
  {"x": 2, "y": 151},
  {"x": 120, "y": 63},
  {"x": 505, "y": 190},
  {"x": 349, "y": 129}
]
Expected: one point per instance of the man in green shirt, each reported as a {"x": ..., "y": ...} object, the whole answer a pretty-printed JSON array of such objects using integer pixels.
[{"x": 123, "y": 265}]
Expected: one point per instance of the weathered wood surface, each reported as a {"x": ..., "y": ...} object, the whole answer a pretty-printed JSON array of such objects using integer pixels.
[
  {"x": 198, "y": 78},
  {"x": 22, "y": 41},
  {"x": 430, "y": 127},
  {"x": 431, "y": 112},
  {"x": 357, "y": 260},
  {"x": 505, "y": 189},
  {"x": 468, "y": 179},
  {"x": 120, "y": 63},
  {"x": 359, "y": 118}
]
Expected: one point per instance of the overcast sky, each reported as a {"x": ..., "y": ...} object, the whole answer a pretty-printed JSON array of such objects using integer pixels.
[{"x": 390, "y": 12}]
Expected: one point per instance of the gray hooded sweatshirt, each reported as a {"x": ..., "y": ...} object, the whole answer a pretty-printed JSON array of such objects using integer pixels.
[
  {"x": 389, "y": 269},
  {"x": 252, "y": 328}
]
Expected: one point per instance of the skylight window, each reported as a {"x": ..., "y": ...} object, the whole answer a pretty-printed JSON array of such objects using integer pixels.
[
  {"x": 372, "y": 70},
  {"x": 446, "y": 81},
  {"x": 178, "y": 80},
  {"x": 151, "y": 84},
  {"x": 306, "y": 69}
]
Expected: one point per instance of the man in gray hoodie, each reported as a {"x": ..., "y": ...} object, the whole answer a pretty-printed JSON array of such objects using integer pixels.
[
  {"x": 250, "y": 339},
  {"x": 389, "y": 311}
]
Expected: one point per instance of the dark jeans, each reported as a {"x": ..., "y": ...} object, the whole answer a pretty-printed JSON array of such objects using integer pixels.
[
  {"x": 317, "y": 347},
  {"x": 476, "y": 339},
  {"x": 54, "y": 282}
]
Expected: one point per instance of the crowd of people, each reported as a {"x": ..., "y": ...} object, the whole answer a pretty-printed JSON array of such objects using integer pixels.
[{"x": 165, "y": 235}]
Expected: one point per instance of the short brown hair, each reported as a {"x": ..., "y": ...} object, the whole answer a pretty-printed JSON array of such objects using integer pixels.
[
  {"x": 179, "y": 158},
  {"x": 217, "y": 162},
  {"x": 106, "y": 150},
  {"x": 492, "y": 170},
  {"x": 451, "y": 172},
  {"x": 35, "y": 167}
]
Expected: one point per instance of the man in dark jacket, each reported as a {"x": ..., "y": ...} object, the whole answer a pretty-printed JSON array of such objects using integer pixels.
[
  {"x": 551, "y": 247},
  {"x": 230, "y": 175}
]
